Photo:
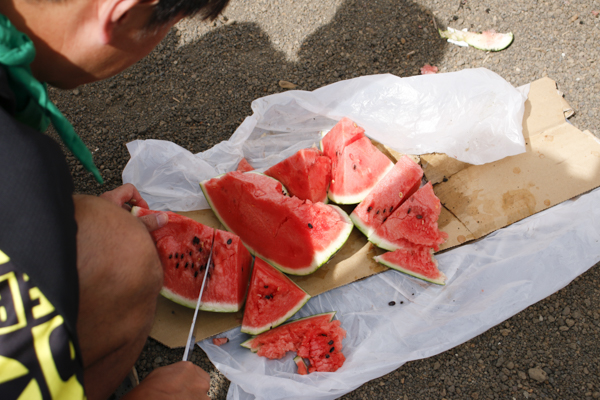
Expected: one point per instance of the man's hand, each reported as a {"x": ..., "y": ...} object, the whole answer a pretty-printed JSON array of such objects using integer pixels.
[
  {"x": 183, "y": 380},
  {"x": 127, "y": 196}
]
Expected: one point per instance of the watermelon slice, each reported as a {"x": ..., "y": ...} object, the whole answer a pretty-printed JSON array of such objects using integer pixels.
[
  {"x": 220, "y": 341},
  {"x": 487, "y": 40},
  {"x": 183, "y": 247},
  {"x": 356, "y": 165},
  {"x": 296, "y": 236},
  {"x": 316, "y": 338},
  {"x": 272, "y": 299},
  {"x": 302, "y": 370},
  {"x": 415, "y": 221},
  {"x": 306, "y": 174},
  {"x": 414, "y": 260},
  {"x": 397, "y": 186},
  {"x": 244, "y": 166}
]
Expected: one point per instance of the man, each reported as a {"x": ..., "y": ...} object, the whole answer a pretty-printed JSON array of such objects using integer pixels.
[{"x": 79, "y": 276}]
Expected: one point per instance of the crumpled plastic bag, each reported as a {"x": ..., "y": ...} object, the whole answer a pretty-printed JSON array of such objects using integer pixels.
[
  {"x": 473, "y": 115},
  {"x": 489, "y": 281}
]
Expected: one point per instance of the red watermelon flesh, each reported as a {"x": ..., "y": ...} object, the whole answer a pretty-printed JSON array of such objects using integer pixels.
[
  {"x": 296, "y": 236},
  {"x": 397, "y": 186},
  {"x": 341, "y": 135},
  {"x": 359, "y": 169},
  {"x": 314, "y": 338},
  {"x": 244, "y": 166},
  {"x": 415, "y": 220},
  {"x": 414, "y": 260},
  {"x": 184, "y": 246},
  {"x": 272, "y": 299},
  {"x": 306, "y": 174}
]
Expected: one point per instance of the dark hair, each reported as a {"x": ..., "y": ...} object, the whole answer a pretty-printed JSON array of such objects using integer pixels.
[{"x": 166, "y": 10}]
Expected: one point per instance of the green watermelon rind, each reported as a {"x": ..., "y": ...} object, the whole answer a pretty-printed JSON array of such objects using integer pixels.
[
  {"x": 214, "y": 307},
  {"x": 360, "y": 225},
  {"x": 441, "y": 281},
  {"x": 319, "y": 259},
  {"x": 475, "y": 39},
  {"x": 247, "y": 345},
  {"x": 382, "y": 243},
  {"x": 358, "y": 197}
]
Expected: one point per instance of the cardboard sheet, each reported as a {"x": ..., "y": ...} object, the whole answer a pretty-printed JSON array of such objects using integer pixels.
[{"x": 561, "y": 162}]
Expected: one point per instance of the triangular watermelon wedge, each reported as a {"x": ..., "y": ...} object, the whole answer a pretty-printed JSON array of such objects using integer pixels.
[
  {"x": 306, "y": 174},
  {"x": 395, "y": 188},
  {"x": 414, "y": 260},
  {"x": 415, "y": 220},
  {"x": 272, "y": 299}
]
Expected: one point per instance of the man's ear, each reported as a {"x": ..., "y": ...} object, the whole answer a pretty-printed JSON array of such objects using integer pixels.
[{"x": 116, "y": 14}]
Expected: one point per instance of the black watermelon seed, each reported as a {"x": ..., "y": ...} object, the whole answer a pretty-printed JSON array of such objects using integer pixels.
[
  {"x": 401, "y": 302},
  {"x": 377, "y": 212},
  {"x": 445, "y": 179},
  {"x": 409, "y": 210},
  {"x": 200, "y": 249},
  {"x": 170, "y": 256},
  {"x": 195, "y": 274},
  {"x": 190, "y": 253},
  {"x": 331, "y": 349},
  {"x": 327, "y": 356},
  {"x": 176, "y": 255},
  {"x": 369, "y": 209},
  {"x": 195, "y": 240},
  {"x": 384, "y": 210},
  {"x": 330, "y": 342},
  {"x": 392, "y": 303},
  {"x": 354, "y": 166},
  {"x": 186, "y": 264},
  {"x": 182, "y": 256},
  {"x": 391, "y": 208},
  {"x": 266, "y": 286},
  {"x": 324, "y": 334},
  {"x": 310, "y": 226},
  {"x": 229, "y": 241},
  {"x": 419, "y": 216},
  {"x": 192, "y": 265},
  {"x": 177, "y": 265}
]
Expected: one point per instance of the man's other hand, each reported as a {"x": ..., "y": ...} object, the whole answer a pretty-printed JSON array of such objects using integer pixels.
[
  {"x": 127, "y": 196},
  {"x": 182, "y": 380}
]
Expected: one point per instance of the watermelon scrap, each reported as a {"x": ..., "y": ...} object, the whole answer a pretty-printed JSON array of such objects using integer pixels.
[
  {"x": 316, "y": 338},
  {"x": 415, "y": 260},
  {"x": 395, "y": 188},
  {"x": 302, "y": 370},
  {"x": 220, "y": 341},
  {"x": 244, "y": 166},
  {"x": 272, "y": 299},
  {"x": 415, "y": 221},
  {"x": 306, "y": 174},
  {"x": 183, "y": 247},
  {"x": 296, "y": 236}
]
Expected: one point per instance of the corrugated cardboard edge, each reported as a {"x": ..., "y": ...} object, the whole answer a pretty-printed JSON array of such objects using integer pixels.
[{"x": 464, "y": 194}]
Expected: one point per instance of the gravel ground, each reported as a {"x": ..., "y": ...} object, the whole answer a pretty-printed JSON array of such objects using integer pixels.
[{"x": 197, "y": 86}]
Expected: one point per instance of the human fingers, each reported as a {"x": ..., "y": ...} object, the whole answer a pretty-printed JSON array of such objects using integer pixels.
[
  {"x": 125, "y": 196},
  {"x": 154, "y": 221}
]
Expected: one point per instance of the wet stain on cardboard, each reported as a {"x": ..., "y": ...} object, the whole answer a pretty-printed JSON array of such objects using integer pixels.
[
  {"x": 517, "y": 170},
  {"x": 461, "y": 238},
  {"x": 518, "y": 204},
  {"x": 548, "y": 138},
  {"x": 547, "y": 203}
]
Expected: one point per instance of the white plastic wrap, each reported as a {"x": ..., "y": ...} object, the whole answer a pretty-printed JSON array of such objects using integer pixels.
[
  {"x": 488, "y": 282},
  {"x": 473, "y": 115}
]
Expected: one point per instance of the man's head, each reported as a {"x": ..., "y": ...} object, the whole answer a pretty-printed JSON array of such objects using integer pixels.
[{"x": 81, "y": 41}]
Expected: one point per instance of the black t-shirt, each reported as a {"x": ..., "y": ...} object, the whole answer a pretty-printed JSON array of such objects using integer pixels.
[{"x": 39, "y": 289}]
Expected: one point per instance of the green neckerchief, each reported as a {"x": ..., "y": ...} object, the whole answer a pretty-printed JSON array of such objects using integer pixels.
[{"x": 34, "y": 108}]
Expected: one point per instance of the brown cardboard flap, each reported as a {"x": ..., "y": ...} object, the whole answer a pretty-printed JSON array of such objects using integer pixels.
[{"x": 561, "y": 162}]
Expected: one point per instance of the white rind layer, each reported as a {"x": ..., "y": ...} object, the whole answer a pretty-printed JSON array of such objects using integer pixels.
[
  {"x": 261, "y": 329},
  {"x": 246, "y": 343},
  {"x": 478, "y": 40},
  {"x": 441, "y": 281},
  {"x": 359, "y": 223},
  {"x": 204, "y": 306},
  {"x": 358, "y": 197},
  {"x": 382, "y": 243}
]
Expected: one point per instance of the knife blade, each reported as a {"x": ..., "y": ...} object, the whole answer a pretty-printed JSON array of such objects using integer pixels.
[{"x": 191, "y": 341}]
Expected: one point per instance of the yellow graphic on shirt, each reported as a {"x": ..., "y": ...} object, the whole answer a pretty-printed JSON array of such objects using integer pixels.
[
  {"x": 17, "y": 303},
  {"x": 36, "y": 333}
]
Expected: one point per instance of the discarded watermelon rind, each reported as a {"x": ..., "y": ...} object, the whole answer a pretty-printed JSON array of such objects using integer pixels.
[
  {"x": 440, "y": 281},
  {"x": 487, "y": 41},
  {"x": 302, "y": 369},
  {"x": 247, "y": 343}
]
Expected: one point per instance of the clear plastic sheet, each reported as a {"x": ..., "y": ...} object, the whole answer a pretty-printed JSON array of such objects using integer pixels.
[
  {"x": 488, "y": 281},
  {"x": 473, "y": 115}
]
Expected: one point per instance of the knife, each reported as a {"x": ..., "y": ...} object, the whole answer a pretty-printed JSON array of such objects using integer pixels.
[{"x": 191, "y": 341}]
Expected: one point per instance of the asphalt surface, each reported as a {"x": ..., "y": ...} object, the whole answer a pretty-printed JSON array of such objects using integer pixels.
[{"x": 197, "y": 86}]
